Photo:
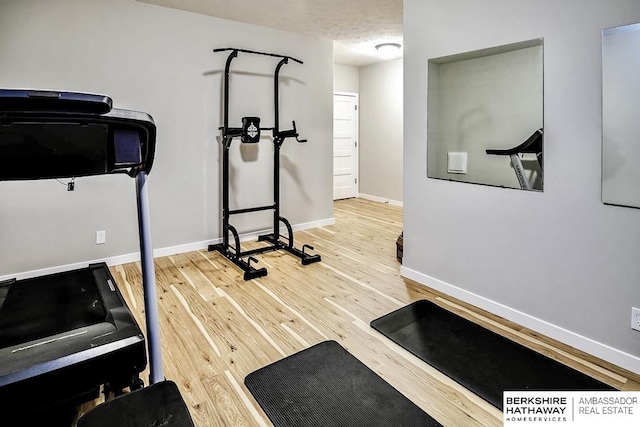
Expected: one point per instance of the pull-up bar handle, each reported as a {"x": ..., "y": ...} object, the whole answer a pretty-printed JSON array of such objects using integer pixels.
[
  {"x": 223, "y": 49},
  {"x": 291, "y": 133}
]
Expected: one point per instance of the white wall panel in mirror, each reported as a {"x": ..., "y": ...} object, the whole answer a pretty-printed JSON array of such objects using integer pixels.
[
  {"x": 621, "y": 116},
  {"x": 488, "y": 105}
]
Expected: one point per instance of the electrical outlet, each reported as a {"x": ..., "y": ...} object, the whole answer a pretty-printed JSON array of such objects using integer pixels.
[
  {"x": 101, "y": 237},
  {"x": 635, "y": 318}
]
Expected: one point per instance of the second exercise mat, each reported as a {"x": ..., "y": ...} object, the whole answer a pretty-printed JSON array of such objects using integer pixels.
[
  {"x": 326, "y": 386},
  {"x": 481, "y": 360}
]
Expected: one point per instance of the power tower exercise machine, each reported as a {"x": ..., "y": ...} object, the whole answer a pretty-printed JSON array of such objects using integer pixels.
[{"x": 249, "y": 133}]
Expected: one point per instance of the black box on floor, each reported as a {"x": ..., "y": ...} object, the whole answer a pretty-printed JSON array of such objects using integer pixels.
[{"x": 159, "y": 404}]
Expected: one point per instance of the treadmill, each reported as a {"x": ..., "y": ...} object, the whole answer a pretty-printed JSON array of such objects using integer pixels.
[
  {"x": 533, "y": 145},
  {"x": 64, "y": 335}
]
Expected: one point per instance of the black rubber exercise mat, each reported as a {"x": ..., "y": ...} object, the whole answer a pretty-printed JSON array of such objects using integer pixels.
[
  {"x": 481, "y": 360},
  {"x": 326, "y": 386}
]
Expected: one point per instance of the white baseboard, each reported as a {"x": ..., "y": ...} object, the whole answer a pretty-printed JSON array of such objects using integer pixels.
[
  {"x": 602, "y": 351},
  {"x": 160, "y": 252},
  {"x": 379, "y": 199}
]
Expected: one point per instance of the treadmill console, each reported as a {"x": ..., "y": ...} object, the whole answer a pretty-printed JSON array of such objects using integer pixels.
[{"x": 45, "y": 134}]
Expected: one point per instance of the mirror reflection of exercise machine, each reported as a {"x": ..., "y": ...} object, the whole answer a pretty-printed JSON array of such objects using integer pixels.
[
  {"x": 533, "y": 145},
  {"x": 64, "y": 335},
  {"x": 250, "y": 133}
]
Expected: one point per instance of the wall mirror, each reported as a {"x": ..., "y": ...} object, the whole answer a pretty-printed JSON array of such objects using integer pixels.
[
  {"x": 485, "y": 116},
  {"x": 620, "y": 115}
]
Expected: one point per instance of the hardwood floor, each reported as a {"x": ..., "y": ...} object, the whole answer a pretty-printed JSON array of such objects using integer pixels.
[{"x": 217, "y": 328}]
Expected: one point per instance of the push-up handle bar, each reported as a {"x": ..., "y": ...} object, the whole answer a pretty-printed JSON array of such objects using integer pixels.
[
  {"x": 291, "y": 133},
  {"x": 222, "y": 49}
]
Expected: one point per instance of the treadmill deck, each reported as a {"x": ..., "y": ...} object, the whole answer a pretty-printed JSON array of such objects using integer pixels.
[{"x": 64, "y": 335}]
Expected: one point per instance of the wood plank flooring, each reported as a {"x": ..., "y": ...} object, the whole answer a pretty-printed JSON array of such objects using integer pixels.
[{"x": 217, "y": 328}]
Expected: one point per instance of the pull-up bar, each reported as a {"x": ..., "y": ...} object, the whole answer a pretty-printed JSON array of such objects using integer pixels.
[{"x": 255, "y": 52}]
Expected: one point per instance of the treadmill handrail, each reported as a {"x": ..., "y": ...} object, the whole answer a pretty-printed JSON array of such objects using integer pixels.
[{"x": 533, "y": 144}]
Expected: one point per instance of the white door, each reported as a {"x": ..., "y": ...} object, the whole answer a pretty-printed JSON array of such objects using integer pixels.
[{"x": 345, "y": 145}]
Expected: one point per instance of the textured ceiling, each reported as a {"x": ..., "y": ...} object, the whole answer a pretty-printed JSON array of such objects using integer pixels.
[{"x": 356, "y": 26}]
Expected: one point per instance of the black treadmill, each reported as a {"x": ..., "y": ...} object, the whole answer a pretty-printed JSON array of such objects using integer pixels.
[
  {"x": 533, "y": 145},
  {"x": 64, "y": 335}
]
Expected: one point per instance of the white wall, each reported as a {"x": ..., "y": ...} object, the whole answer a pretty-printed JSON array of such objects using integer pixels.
[
  {"x": 346, "y": 78},
  {"x": 381, "y": 133},
  {"x": 160, "y": 61},
  {"x": 559, "y": 261}
]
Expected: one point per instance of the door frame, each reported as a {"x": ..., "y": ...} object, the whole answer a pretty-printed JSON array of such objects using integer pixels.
[{"x": 356, "y": 155}]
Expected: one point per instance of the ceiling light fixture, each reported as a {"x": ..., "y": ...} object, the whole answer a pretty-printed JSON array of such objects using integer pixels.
[{"x": 387, "y": 49}]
